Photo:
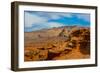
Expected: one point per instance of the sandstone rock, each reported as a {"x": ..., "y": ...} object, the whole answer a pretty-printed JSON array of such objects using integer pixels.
[{"x": 58, "y": 44}]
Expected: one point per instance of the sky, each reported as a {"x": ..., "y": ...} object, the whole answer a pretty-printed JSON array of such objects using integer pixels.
[{"x": 37, "y": 20}]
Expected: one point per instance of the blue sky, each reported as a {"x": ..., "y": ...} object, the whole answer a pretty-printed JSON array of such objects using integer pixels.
[{"x": 37, "y": 20}]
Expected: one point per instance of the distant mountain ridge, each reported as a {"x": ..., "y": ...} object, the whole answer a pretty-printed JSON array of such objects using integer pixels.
[{"x": 56, "y": 31}]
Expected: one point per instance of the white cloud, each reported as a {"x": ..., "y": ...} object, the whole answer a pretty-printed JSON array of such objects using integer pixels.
[
  {"x": 40, "y": 20},
  {"x": 54, "y": 24},
  {"x": 37, "y": 21},
  {"x": 31, "y": 19},
  {"x": 86, "y": 17},
  {"x": 54, "y": 15},
  {"x": 58, "y": 15},
  {"x": 47, "y": 25}
]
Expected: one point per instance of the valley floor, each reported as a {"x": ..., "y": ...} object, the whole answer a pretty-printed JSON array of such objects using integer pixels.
[{"x": 53, "y": 48}]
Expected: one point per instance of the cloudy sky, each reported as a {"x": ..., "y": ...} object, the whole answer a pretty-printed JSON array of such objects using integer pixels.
[{"x": 36, "y": 20}]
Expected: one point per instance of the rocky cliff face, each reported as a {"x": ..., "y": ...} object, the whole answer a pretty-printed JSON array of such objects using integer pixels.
[
  {"x": 64, "y": 33},
  {"x": 58, "y": 44}
]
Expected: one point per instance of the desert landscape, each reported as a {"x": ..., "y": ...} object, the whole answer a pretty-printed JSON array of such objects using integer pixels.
[{"x": 57, "y": 43}]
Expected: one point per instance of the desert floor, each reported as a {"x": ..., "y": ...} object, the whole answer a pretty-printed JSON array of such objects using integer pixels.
[{"x": 57, "y": 44}]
